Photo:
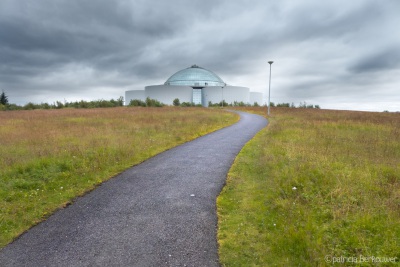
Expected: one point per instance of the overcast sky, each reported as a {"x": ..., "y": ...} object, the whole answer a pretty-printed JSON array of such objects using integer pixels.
[{"x": 338, "y": 54}]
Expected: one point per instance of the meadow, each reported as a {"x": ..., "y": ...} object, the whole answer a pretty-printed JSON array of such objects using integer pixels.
[
  {"x": 314, "y": 188},
  {"x": 49, "y": 157}
]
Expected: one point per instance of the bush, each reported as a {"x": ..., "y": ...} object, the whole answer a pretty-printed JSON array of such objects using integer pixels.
[
  {"x": 176, "y": 102},
  {"x": 187, "y": 104},
  {"x": 30, "y": 106},
  {"x": 148, "y": 103},
  {"x": 240, "y": 104},
  {"x": 77, "y": 104},
  {"x": 137, "y": 103},
  {"x": 283, "y": 105},
  {"x": 223, "y": 103},
  {"x": 119, "y": 102},
  {"x": 235, "y": 104},
  {"x": 153, "y": 102},
  {"x": 13, "y": 107},
  {"x": 301, "y": 105},
  {"x": 58, "y": 105}
]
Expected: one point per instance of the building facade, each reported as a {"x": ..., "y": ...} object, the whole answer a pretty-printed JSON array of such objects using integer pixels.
[{"x": 195, "y": 85}]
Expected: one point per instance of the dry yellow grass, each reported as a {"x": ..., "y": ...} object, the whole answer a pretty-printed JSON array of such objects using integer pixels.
[{"x": 48, "y": 157}]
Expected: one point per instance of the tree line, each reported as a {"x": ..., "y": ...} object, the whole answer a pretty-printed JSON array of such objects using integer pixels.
[
  {"x": 101, "y": 103},
  {"x": 5, "y": 105},
  {"x": 292, "y": 105}
]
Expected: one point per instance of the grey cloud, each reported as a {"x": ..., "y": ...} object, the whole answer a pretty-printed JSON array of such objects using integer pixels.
[
  {"x": 387, "y": 59},
  {"x": 55, "y": 47}
]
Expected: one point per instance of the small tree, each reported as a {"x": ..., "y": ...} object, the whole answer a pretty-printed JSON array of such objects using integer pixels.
[
  {"x": 3, "y": 99},
  {"x": 120, "y": 101},
  {"x": 153, "y": 102},
  {"x": 176, "y": 102},
  {"x": 59, "y": 105}
]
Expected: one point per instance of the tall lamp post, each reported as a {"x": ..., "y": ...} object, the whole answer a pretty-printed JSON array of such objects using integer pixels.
[{"x": 269, "y": 91}]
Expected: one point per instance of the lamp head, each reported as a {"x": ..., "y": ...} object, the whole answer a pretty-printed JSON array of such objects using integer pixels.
[{"x": 270, "y": 62}]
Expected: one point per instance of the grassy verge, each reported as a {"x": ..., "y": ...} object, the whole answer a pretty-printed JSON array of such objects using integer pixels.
[
  {"x": 48, "y": 157},
  {"x": 315, "y": 186}
]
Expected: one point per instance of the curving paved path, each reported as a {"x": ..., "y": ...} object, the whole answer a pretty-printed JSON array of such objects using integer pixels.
[{"x": 159, "y": 213}]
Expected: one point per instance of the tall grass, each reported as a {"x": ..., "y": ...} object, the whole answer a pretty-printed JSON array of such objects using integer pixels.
[
  {"x": 48, "y": 157},
  {"x": 315, "y": 186}
]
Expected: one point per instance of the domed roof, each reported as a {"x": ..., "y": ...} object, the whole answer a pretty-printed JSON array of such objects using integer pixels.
[{"x": 195, "y": 76}]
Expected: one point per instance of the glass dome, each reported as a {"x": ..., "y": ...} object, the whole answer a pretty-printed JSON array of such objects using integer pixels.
[{"x": 195, "y": 76}]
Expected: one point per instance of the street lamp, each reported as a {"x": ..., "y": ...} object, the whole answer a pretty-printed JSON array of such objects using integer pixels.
[
  {"x": 222, "y": 103},
  {"x": 269, "y": 91}
]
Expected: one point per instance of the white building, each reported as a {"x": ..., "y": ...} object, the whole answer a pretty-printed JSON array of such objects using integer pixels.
[{"x": 195, "y": 85}]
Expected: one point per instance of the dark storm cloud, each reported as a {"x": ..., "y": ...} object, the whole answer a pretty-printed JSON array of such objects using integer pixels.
[
  {"x": 70, "y": 48},
  {"x": 103, "y": 34},
  {"x": 387, "y": 59}
]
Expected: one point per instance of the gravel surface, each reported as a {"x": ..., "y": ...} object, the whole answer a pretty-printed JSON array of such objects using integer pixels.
[{"x": 161, "y": 212}]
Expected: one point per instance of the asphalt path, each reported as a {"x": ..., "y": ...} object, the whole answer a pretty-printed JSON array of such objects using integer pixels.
[{"x": 161, "y": 212}]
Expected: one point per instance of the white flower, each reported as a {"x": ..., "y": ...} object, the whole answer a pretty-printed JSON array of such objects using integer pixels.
[{"x": 294, "y": 188}]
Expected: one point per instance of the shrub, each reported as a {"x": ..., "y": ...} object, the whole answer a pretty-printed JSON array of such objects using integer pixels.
[
  {"x": 223, "y": 103},
  {"x": 187, "y": 104},
  {"x": 58, "y": 105},
  {"x": 13, "y": 107},
  {"x": 153, "y": 102},
  {"x": 239, "y": 104},
  {"x": 137, "y": 103},
  {"x": 30, "y": 106},
  {"x": 176, "y": 102},
  {"x": 211, "y": 104},
  {"x": 283, "y": 105}
]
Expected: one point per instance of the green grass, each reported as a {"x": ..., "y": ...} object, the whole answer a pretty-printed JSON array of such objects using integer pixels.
[
  {"x": 48, "y": 157},
  {"x": 314, "y": 183}
]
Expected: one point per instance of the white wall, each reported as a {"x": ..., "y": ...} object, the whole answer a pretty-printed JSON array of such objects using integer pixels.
[
  {"x": 236, "y": 93},
  {"x": 212, "y": 93},
  {"x": 134, "y": 94},
  {"x": 256, "y": 97},
  {"x": 167, "y": 93},
  {"x": 230, "y": 94}
]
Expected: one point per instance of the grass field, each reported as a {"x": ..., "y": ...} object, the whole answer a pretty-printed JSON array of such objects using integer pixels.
[
  {"x": 48, "y": 157},
  {"x": 315, "y": 188}
]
